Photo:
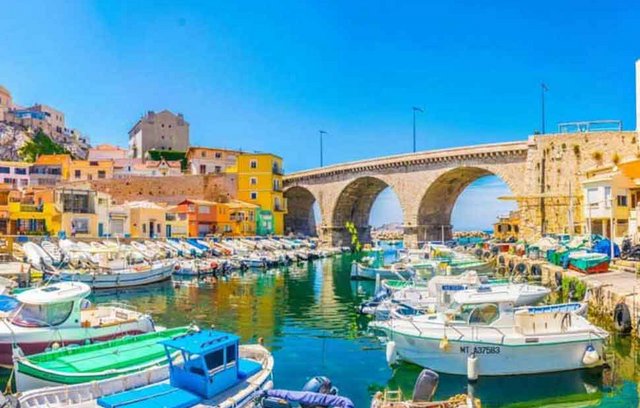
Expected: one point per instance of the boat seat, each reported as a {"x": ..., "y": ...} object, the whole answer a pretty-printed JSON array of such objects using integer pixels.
[
  {"x": 161, "y": 395},
  {"x": 247, "y": 368}
]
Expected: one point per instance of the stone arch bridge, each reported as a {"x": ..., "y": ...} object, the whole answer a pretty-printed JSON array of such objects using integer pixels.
[{"x": 540, "y": 172}]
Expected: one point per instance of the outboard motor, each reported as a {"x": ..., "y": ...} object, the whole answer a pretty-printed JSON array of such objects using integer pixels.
[
  {"x": 321, "y": 385},
  {"x": 426, "y": 386}
]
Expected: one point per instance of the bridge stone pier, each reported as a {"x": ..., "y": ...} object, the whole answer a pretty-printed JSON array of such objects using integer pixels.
[{"x": 544, "y": 174}]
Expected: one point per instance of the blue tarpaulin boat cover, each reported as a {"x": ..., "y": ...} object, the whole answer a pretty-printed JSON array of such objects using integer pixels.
[
  {"x": 312, "y": 398},
  {"x": 603, "y": 246}
]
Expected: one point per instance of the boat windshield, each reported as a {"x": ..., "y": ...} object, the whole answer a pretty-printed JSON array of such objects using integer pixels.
[
  {"x": 484, "y": 313},
  {"x": 43, "y": 315}
]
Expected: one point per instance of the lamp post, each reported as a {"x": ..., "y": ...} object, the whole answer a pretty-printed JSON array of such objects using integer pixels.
[
  {"x": 322, "y": 133},
  {"x": 415, "y": 109},
  {"x": 543, "y": 90}
]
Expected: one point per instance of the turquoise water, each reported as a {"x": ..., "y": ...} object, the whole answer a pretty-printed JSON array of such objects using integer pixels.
[{"x": 306, "y": 315}]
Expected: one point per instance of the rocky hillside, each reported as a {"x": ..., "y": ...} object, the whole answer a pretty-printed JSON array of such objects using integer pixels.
[{"x": 14, "y": 137}]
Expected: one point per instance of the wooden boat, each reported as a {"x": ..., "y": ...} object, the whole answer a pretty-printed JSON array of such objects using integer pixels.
[
  {"x": 206, "y": 369},
  {"x": 135, "y": 275},
  {"x": 60, "y": 314},
  {"x": 588, "y": 262},
  {"x": 92, "y": 362}
]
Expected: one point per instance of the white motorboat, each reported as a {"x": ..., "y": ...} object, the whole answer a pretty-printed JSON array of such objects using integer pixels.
[
  {"x": 394, "y": 271},
  {"x": 133, "y": 275},
  {"x": 494, "y": 338},
  {"x": 58, "y": 313}
]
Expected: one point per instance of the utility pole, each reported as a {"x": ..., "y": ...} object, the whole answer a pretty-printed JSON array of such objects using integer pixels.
[
  {"x": 322, "y": 133},
  {"x": 415, "y": 109},
  {"x": 543, "y": 90}
]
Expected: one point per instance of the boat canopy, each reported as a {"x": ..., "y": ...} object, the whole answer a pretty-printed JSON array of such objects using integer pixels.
[{"x": 55, "y": 293}]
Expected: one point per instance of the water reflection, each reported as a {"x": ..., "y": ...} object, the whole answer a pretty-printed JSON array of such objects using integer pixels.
[{"x": 306, "y": 314}]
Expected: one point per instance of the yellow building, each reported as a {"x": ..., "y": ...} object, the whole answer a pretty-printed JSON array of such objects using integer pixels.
[
  {"x": 62, "y": 161},
  {"x": 239, "y": 218},
  {"x": 34, "y": 214},
  {"x": 507, "y": 227},
  {"x": 260, "y": 182},
  {"x": 80, "y": 209},
  {"x": 82, "y": 170},
  {"x": 147, "y": 219}
]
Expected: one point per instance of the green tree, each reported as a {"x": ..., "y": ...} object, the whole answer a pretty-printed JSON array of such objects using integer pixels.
[{"x": 38, "y": 145}]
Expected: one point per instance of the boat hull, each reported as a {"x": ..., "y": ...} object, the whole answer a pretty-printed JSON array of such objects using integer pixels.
[
  {"x": 494, "y": 359},
  {"x": 362, "y": 272},
  {"x": 119, "y": 279}
]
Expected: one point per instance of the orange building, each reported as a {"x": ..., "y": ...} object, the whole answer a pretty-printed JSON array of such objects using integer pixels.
[
  {"x": 62, "y": 161},
  {"x": 201, "y": 216}
]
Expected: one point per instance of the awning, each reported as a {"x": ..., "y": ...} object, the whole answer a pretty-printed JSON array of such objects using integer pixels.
[{"x": 630, "y": 169}]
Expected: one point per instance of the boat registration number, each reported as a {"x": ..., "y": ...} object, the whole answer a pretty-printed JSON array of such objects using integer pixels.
[{"x": 480, "y": 349}]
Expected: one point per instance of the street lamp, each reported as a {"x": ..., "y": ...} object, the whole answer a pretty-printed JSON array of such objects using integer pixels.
[
  {"x": 543, "y": 90},
  {"x": 415, "y": 109},
  {"x": 322, "y": 133}
]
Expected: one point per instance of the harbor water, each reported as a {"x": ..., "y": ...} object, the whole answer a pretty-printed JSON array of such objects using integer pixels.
[{"x": 306, "y": 315}]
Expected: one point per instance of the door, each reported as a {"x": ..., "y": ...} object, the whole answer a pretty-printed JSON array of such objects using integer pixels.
[
  {"x": 151, "y": 230},
  {"x": 168, "y": 228},
  {"x": 100, "y": 229}
]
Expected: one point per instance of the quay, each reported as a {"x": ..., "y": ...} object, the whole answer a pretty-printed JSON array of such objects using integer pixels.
[{"x": 608, "y": 289}]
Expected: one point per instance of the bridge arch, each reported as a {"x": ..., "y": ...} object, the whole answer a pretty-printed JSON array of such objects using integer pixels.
[
  {"x": 300, "y": 217},
  {"x": 353, "y": 204},
  {"x": 437, "y": 203}
]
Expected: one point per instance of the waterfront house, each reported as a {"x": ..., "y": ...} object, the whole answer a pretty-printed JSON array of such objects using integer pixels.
[
  {"x": 177, "y": 224},
  {"x": 33, "y": 213},
  {"x": 118, "y": 223},
  {"x": 201, "y": 216},
  {"x": 242, "y": 217},
  {"x": 208, "y": 160},
  {"x": 507, "y": 226},
  {"x": 7, "y": 194},
  {"x": 15, "y": 173},
  {"x": 260, "y": 183},
  {"x": 609, "y": 195},
  {"x": 78, "y": 207},
  {"x": 146, "y": 219}
]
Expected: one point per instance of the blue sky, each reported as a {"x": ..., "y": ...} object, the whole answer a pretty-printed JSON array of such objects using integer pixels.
[{"x": 268, "y": 75}]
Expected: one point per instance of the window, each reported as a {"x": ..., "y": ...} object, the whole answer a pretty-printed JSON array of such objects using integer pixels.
[
  {"x": 203, "y": 169},
  {"x": 253, "y": 164},
  {"x": 159, "y": 228},
  {"x": 81, "y": 225},
  {"x": 231, "y": 354},
  {"x": 218, "y": 169},
  {"x": 251, "y": 215},
  {"x": 607, "y": 197},
  {"x": 214, "y": 360},
  {"x": 102, "y": 174},
  {"x": 622, "y": 200},
  {"x": 218, "y": 155},
  {"x": 20, "y": 171},
  {"x": 5, "y": 170},
  {"x": 592, "y": 197},
  {"x": 254, "y": 195},
  {"x": 203, "y": 209},
  {"x": 43, "y": 315},
  {"x": 253, "y": 181},
  {"x": 144, "y": 228},
  {"x": 93, "y": 163},
  {"x": 203, "y": 154},
  {"x": 77, "y": 174}
]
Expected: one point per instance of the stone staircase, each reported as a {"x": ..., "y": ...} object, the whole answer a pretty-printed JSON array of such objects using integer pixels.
[{"x": 625, "y": 266}]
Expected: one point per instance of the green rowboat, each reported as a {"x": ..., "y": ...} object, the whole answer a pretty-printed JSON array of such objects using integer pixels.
[{"x": 93, "y": 362}]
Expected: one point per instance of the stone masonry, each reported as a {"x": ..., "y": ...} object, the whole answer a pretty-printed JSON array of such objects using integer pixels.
[{"x": 543, "y": 174}]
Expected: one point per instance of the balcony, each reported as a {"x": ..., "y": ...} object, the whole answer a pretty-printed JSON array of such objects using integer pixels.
[
  {"x": 279, "y": 208},
  {"x": 277, "y": 170},
  {"x": 30, "y": 208},
  {"x": 277, "y": 187}
]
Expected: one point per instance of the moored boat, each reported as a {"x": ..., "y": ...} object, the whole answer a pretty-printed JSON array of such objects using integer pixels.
[
  {"x": 395, "y": 271},
  {"x": 60, "y": 314},
  {"x": 92, "y": 362},
  {"x": 495, "y": 339},
  {"x": 207, "y": 368},
  {"x": 133, "y": 275},
  {"x": 588, "y": 262}
]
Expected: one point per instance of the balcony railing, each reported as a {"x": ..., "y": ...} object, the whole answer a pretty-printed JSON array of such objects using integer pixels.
[
  {"x": 277, "y": 187},
  {"x": 278, "y": 170},
  {"x": 30, "y": 208},
  {"x": 279, "y": 208}
]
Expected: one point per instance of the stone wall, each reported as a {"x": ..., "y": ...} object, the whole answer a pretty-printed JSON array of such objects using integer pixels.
[
  {"x": 170, "y": 189},
  {"x": 556, "y": 164}
]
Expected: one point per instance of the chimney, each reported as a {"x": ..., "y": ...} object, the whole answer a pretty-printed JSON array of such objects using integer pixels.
[{"x": 638, "y": 95}]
